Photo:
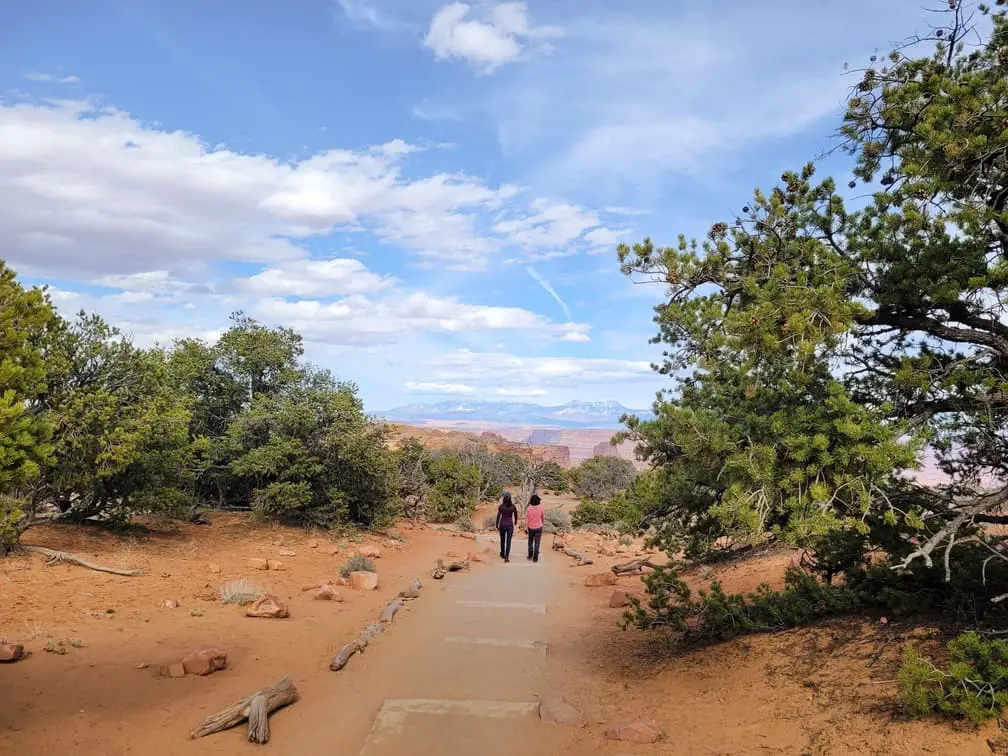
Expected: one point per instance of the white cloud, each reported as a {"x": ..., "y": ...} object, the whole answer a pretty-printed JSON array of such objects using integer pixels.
[
  {"x": 500, "y": 33},
  {"x": 503, "y": 370},
  {"x": 549, "y": 225},
  {"x": 53, "y": 78},
  {"x": 315, "y": 278},
  {"x": 87, "y": 192},
  {"x": 576, "y": 337},
  {"x": 428, "y": 387},
  {"x": 361, "y": 320},
  {"x": 365, "y": 13}
]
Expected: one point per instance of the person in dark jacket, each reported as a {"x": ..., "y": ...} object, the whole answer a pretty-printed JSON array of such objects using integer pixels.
[{"x": 507, "y": 521}]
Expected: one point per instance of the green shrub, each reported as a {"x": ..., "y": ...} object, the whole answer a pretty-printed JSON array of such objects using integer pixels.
[
  {"x": 10, "y": 524},
  {"x": 973, "y": 686},
  {"x": 618, "y": 508},
  {"x": 465, "y": 523},
  {"x": 357, "y": 563},
  {"x": 556, "y": 521}
]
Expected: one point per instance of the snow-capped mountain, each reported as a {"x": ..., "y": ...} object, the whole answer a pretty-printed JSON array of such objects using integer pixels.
[{"x": 571, "y": 415}]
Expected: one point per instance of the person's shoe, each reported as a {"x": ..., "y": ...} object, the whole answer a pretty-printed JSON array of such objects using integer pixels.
[
  {"x": 507, "y": 560},
  {"x": 529, "y": 557},
  {"x": 535, "y": 559}
]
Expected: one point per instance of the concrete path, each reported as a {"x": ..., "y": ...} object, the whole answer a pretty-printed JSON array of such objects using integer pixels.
[{"x": 461, "y": 672}]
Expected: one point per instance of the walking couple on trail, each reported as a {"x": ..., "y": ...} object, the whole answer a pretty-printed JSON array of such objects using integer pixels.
[{"x": 507, "y": 521}]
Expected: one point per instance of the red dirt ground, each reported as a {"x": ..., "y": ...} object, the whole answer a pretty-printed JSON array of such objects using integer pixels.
[{"x": 807, "y": 691}]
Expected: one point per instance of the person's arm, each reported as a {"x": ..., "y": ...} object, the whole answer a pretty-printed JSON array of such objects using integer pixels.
[{"x": 499, "y": 514}]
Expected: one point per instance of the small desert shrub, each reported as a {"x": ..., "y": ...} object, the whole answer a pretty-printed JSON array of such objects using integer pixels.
[
  {"x": 241, "y": 591},
  {"x": 626, "y": 541},
  {"x": 357, "y": 563},
  {"x": 465, "y": 523},
  {"x": 617, "y": 509},
  {"x": 973, "y": 686},
  {"x": 556, "y": 521}
]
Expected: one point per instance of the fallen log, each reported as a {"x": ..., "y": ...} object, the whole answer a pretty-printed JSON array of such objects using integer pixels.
[
  {"x": 582, "y": 558},
  {"x": 59, "y": 557},
  {"x": 255, "y": 709},
  {"x": 634, "y": 567},
  {"x": 388, "y": 613},
  {"x": 458, "y": 566},
  {"x": 413, "y": 591},
  {"x": 344, "y": 655}
]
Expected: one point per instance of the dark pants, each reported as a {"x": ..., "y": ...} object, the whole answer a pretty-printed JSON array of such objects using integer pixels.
[
  {"x": 534, "y": 539},
  {"x": 506, "y": 534}
]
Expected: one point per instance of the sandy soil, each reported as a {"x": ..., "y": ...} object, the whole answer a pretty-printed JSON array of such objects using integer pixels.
[{"x": 814, "y": 690}]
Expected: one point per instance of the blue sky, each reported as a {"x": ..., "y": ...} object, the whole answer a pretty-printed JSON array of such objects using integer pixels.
[{"x": 430, "y": 192}]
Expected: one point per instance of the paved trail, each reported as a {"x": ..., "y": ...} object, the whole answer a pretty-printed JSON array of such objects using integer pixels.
[{"x": 459, "y": 673}]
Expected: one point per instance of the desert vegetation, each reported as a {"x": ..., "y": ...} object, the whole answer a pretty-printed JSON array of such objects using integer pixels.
[{"x": 824, "y": 339}]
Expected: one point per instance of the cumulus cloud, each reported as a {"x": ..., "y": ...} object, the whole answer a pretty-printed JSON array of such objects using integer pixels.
[
  {"x": 315, "y": 278},
  {"x": 360, "y": 319},
  {"x": 87, "y": 192},
  {"x": 490, "y": 37},
  {"x": 429, "y": 387},
  {"x": 53, "y": 78},
  {"x": 510, "y": 370}
]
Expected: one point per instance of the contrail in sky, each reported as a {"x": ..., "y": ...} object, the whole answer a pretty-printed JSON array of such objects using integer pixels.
[{"x": 552, "y": 292}]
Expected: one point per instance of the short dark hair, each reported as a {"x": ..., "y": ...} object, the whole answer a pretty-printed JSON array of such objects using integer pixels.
[{"x": 535, "y": 501}]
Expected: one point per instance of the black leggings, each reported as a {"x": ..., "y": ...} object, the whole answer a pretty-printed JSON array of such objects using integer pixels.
[
  {"x": 506, "y": 534},
  {"x": 534, "y": 539}
]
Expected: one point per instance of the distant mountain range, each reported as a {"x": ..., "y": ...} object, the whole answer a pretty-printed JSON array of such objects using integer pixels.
[{"x": 570, "y": 415}]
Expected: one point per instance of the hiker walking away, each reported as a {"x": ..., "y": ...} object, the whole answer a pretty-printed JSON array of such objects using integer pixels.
[
  {"x": 535, "y": 516},
  {"x": 507, "y": 521}
]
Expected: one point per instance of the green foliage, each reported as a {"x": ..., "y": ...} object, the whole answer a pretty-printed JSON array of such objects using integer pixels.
[
  {"x": 553, "y": 477},
  {"x": 240, "y": 591},
  {"x": 714, "y": 615},
  {"x": 454, "y": 488},
  {"x": 357, "y": 563},
  {"x": 26, "y": 322},
  {"x": 11, "y": 517},
  {"x": 119, "y": 434},
  {"x": 556, "y": 521},
  {"x": 602, "y": 477},
  {"x": 974, "y": 685},
  {"x": 617, "y": 509}
]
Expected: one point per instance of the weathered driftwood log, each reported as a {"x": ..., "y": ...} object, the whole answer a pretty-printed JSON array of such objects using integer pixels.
[
  {"x": 266, "y": 702},
  {"x": 344, "y": 655},
  {"x": 458, "y": 566},
  {"x": 633, "y": 567},
  {"x": 413, "y": 591},
  {"x": 58, "y": 557},
  {"x": 582, "y": 558},
  {"x": 439, "y": 571},
  {"x": 388, "y": 613},
  {"x": 368, "y": 634}
]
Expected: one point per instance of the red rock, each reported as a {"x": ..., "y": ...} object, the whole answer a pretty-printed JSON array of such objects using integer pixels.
[
  {"x": 204, "y": 661},
  {"x": 363, "y": 581},
  {"x": 637, "y": 732},
  {"x": 327, "y": 593},
  {"x": 258, "y": 564},
  {"x": 276, "y": 566},
  {"x": 11, "y": 652},
  {"x": 170, "y": 604},
  {"x": 474, "y": 557},
  {"x": 268, "y": 607},
  {"x": 288, "y": 553},
  {"x": 342, "y": 581},
  {"x": 371, "y": 552},
  {"x": 470, "y": 536},
  {"x": 334, "y": 551},
  {"x": 452, "y": 554},
  {"x": 173, "y": 670},
  {"x": 621, "y": 597},
  {"x": 600, "y": 579},
  {"x": 214, "y": 568}
]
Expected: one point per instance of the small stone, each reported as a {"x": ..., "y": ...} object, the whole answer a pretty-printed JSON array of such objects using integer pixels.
[
  {"x": 452, "y": 554},
  {"x": 314, "y": 544},
  {"x": 257, "y": 563},
  {"x": 214, "y": 568},
  {"x": 371, "y": 552},
  {"x": 328, "y": 593},
  {"x": 204, "y": 661},
  {"x": 276, "y": 565},
  {"x": 621, "y": 598},
  {"x": 11, "y": 652},
  {"x": 470, "y": 536},
  {"x": 143, "y": 665},
  {"x": 334, "y": 551},
  {"x": 559, "y": 711},
  {"x": 363, "y": 581},
  {"x": 175, "y": 670},
  {"x": 342, "y": 581},
  {"x": 474, "y": 557},
  {"x": 637, "y": 732},
  {"x": 170, "y": 604},
  {"x": 269, "y": 607},
  {"x": 600, "y": 579},
  {"x": 288, "y": 553}
]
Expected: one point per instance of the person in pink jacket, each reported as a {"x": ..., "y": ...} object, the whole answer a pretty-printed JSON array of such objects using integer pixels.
[{"x": 535, "y": 516}]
